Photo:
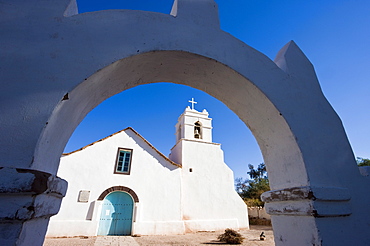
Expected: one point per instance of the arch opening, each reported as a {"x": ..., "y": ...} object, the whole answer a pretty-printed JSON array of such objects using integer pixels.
[
  {"x": 243, "y": 98},
  {"x": 197, "y": 130},
  {"x": 161, "y": 104}
]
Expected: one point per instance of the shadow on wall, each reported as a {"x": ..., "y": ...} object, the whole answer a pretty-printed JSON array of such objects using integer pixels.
[{"x": 90, "y": 212}]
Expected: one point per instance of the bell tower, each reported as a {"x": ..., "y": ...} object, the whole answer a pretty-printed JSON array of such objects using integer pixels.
[
  {"x": 192, "y": 128},
  {"x": 194, "y": 125},
  {"x": 203, "y": 171}
]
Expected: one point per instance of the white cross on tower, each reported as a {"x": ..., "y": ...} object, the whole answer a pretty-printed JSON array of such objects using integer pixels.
[{"x": 192, "y": 103}]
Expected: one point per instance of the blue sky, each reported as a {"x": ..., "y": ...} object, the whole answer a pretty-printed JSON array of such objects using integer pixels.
[{"x": 334, "y": 35}]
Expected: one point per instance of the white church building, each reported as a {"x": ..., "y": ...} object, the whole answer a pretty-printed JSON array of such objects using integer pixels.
[{"x": 122, "y": 185}]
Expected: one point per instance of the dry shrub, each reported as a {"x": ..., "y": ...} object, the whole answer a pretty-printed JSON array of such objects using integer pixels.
[{"x": 231, "y": 237}]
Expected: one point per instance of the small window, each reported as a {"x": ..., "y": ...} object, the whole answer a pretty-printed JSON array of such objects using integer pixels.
[{"x": 123, "y": 163}]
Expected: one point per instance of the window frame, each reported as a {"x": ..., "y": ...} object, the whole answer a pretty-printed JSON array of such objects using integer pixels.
[{"x": 117, "y": 160}]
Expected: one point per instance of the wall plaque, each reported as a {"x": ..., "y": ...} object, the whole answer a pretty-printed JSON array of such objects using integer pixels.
[{"x": 83, "y": 196}]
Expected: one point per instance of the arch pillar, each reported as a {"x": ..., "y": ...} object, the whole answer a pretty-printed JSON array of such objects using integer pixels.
[{"x": 28, "y": 198}]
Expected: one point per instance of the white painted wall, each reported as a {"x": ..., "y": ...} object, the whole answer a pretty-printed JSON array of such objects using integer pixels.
[
  {"x": 209, "y": 199},
  {"x": 208, "y": 190},
  {"x": 155, "y": 180},
  {"x": 171, "y": 200}
]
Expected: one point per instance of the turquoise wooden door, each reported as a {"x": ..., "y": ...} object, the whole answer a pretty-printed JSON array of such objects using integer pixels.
[{"x": 116, "y": 214}]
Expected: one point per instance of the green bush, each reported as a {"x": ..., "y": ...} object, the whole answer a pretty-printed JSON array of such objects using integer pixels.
[
  {"x": 231, "y": 237},
  {"x": 250, "y": 190},
  {"x": 253, "y": 202},
  {"x": 363, "y": 162}
]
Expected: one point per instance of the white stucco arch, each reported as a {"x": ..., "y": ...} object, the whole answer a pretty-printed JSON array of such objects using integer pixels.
[
  {"x": 77, "y": 61},
  {"x": 179, "y": 67}
]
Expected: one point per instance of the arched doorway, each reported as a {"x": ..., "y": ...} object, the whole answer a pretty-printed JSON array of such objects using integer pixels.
[{"x": 116, "y": 214}]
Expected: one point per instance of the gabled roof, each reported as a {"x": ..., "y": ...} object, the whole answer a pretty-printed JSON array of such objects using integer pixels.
[{"x": 126, "y": 129}]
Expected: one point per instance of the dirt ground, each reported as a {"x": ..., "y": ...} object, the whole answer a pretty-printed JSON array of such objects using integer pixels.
[
  {"x": 210, "y": 238},
  {"x": 200, "y": 238}
]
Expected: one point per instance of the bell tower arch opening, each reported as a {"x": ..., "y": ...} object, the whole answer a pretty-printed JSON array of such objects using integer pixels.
[{"x": 197, "y": 130}]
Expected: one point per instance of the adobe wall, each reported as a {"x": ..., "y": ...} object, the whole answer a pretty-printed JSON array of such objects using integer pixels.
[{"x": 258, "y": 212}]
